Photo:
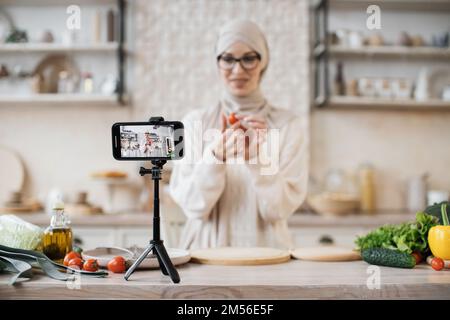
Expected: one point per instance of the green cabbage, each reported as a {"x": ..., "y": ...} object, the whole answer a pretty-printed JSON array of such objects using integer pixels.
[
  {"x": 17, "y": 233},
  {"x": 406, "y": 237}
]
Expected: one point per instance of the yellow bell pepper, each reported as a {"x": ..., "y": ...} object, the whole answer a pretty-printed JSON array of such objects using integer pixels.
[
  {"x": 439, "y": 237},
  {"x": 439, "y": 241}
]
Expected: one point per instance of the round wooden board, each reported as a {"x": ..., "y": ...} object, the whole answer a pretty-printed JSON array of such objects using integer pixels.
[
  {"x": 230, "y": 256},
  {"x": 326, "y": 253},
  {"x": 12, "y": 173}
]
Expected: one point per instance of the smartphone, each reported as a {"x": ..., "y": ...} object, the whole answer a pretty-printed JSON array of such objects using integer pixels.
[{"x": 162, "y": 140}]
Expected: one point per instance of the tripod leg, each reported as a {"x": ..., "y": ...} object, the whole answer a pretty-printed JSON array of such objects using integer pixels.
[
  {"x": 162, "y": 253},
  {"x": 138, "y": 261},
  {"x": 161, "y": 264}
]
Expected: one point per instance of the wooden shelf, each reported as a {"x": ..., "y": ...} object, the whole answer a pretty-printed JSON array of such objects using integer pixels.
[
  {"x": 338, "y": 102},
  {"x": 60, "y": 99},
  {"x": 391, "y": 52},
  {"x": 56, "y": 47},
  {"x": 404, "y": 5}
]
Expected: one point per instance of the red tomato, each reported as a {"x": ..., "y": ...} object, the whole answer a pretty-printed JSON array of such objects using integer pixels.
[
  {"x": 71, "y": 255},
  {"x": 76, "y": 263},
  {"x": 117, "y": 265},
  {"x": 417, "y": 256},
  {"x": 90, "y": 265},
  {"x": 232, "y": 118},
  {"x": 437, "y": 264}
]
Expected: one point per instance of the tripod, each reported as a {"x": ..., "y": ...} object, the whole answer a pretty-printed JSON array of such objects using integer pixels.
[{"x": 156, "y": 245}]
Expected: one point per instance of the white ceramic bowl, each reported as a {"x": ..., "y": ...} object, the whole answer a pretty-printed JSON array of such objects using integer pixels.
[{"x": 332, "y": 204}]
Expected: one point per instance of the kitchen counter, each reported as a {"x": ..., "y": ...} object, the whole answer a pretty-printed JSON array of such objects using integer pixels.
[
  {"x": 296, "y": 220},
  {"x": 292, "y": 280}
]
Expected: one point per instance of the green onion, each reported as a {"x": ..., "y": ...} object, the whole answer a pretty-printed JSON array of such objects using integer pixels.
[{"x": 444, "y": 214}]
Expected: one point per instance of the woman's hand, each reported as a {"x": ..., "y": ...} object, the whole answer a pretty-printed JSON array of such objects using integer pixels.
[
  {"x": 252, "y": 121},
  {"x": 225, "y": 145},
  {"x": 256, "y": 134},
  {"x": 232, "y": 144}
]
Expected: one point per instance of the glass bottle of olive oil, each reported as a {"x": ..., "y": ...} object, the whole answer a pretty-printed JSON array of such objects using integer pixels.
[{"x": 57, "y": 241}]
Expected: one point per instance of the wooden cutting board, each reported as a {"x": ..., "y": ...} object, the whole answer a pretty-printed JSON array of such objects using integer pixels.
[
  {"x": 12, "y": 173},
  {"x": 326, "y": 253},
  {"x": 231, "y": 256}
]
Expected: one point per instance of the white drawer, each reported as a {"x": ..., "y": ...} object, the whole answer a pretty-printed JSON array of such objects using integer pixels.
[
  {"x": 129, "y": 237},
  {"x": 95, "y": 237},
  {"x": 307, "y": 237}
]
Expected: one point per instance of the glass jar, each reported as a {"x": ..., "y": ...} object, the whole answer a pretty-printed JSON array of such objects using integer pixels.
[{"x": 57, "y": 240}]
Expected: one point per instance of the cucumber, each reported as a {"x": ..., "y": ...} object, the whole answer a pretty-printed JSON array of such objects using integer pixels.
[{"x": 388, "y": 258}]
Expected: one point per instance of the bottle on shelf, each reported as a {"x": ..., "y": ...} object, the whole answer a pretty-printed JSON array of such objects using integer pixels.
[
  {"x": 339, "y": 82},
  {"x": 57, "y": 240},
  {"x": 96, "y": 36},
  {"x": 110, "y": 26},
  {"x": 417, "y": 192},
  {"x": 62, "y": 82},
  {"x": 88, "y": 83},
  {"x": 367, "y": 188}
]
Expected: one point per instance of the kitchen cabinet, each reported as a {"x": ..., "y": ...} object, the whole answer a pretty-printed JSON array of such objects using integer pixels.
[
  {"x": 113, "y": 237},
  {"x": 94, "y": 237},
  {"x": 124, "y": 237},
  {"x": 341, "y": 236},
  {"x": 140, "y": 236},
  {"x": 126, "y": 230},
  {"x": 129, "y": 237}
]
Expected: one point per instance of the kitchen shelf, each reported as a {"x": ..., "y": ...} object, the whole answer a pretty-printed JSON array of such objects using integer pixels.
[
  {"x": 324, "y": 53},
  {"x": 413, "y": 5},
  {"x": 348, "y": 102},
  {"x": 118, "y": 48},
  {"x": 390, "y": 52},
  {"x": 55, "y": 47},
  {"x": 60, "y": 99}
]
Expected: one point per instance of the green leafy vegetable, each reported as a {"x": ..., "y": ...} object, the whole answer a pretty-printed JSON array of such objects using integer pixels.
[
  {"x": 406, "y": 237},
  {"x": 77, "y": 249},
  {"x": 444, "y": 214},
  {"x": 17, "y": 233},
  {"x": 20, "y": 261},
  {"x": 21, "y": 268},
  {"x": 2, "y": 266},
  {"x": 436, "y": 210}
]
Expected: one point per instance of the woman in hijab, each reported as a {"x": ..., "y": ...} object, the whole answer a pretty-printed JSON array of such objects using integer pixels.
[{"x": 229, "y": 203}]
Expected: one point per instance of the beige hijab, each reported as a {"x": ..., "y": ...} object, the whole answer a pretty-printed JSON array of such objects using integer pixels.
[
  {"x": 249, "y": 33},
  {"x": 255, "y": 103}
]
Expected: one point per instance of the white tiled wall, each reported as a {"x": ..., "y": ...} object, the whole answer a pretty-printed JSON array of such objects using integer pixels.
[{"x": 175, "y": 59}]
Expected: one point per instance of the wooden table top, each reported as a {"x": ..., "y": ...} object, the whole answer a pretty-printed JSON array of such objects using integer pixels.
[{"x": 291, "y": 280}]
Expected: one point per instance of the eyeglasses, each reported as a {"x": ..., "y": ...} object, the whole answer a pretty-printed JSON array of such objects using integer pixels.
[{"x": 248, "y": 62}]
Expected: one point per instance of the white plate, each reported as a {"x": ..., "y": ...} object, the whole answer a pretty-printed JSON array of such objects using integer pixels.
[
  {"x": 104, "y": 254},
  {"x": 177, "y": 256},
  {"x": 12, "y": 173}
]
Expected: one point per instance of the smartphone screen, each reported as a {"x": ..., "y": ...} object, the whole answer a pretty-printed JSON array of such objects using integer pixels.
[{"x": 151, "y": 141}]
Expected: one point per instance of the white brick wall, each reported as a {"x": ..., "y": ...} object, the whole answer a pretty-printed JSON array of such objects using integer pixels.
[{"x": 175, "y": 63}]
